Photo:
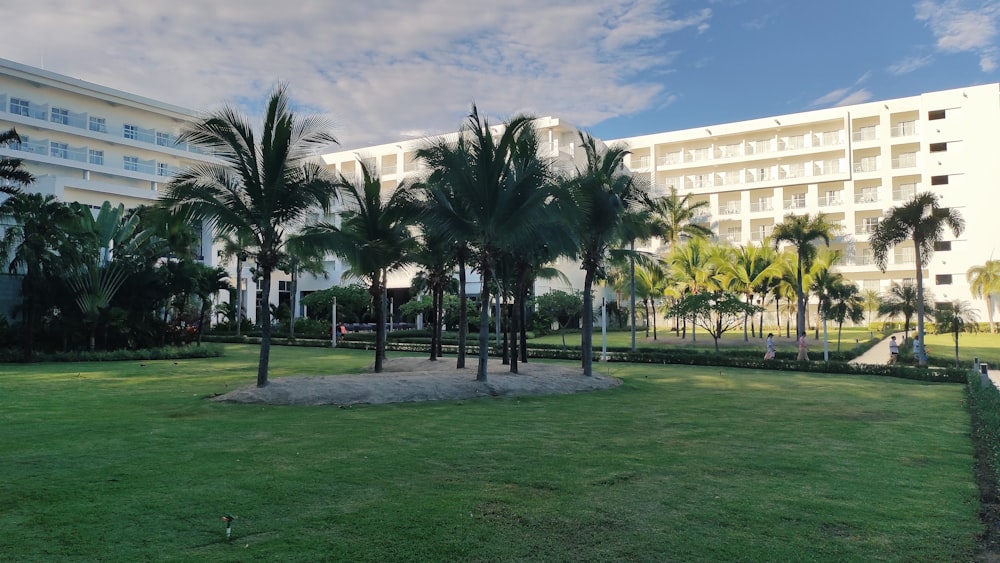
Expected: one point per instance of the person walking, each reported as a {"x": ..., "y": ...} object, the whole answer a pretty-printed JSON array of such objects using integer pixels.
[
  {"x": 893, "y": 351},
  {"x": 769, "y": 355},
  {"x": 803, "y": 348}
]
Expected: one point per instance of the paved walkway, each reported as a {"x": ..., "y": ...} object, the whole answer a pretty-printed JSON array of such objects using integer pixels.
[{"x": 879, "y": 353}]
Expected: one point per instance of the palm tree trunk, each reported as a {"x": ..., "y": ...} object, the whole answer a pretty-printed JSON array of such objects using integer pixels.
[
  {"x": 291, "y": 299},
  {"x": 435, "y": 324},
  {"x": 515, "y": 329},
  {"x": 645, "y": 308},
  {"x": 463, "y": 314},
  {"x": 484, "y": 322},
  {"x": 922, "y": 360},
  {"x": 587, "y": 334},
  {"x": 239, "y": 294},
  {"x": 379, "y": 302},
  {"x": 524, "y": 327},
  {"x": 265, "y": 327}
]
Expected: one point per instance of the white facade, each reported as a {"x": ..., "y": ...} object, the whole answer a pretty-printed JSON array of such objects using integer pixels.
[
  {"x": 90, "y": 144},
  {"x": 851, "y": 163}
]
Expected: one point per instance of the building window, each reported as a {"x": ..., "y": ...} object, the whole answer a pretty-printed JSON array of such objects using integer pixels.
[
  {"x": 163, "y": 139},
  {"x": 162, "y": 169},
  {"x": 939, "y": 147},
  {"x": 942, "y": 279},
  {"x": 942, "y": 245},
  {"x": 59, "y": 115},
  {"x": 130, "y": 131},
  {"x": 58, "y": 150},
  {"x": 95, "y": 157},
  {"x": 904, "y": 129},
  {"x": 98, "y": 124},
  {"x": 935, "y": 114},
  {"x": 131, "y": 163},
  {"x": 20, "y": 107},
  {"x": 939, "y": 180}
]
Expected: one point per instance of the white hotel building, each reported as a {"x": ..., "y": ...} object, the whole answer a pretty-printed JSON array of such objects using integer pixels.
[
  {"x": 851, "y": 163},
  {"x": 88, "y": 143}
]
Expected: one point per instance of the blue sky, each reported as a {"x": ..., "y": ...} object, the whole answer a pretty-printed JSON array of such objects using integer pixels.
[{"x": 391, "y": 69}]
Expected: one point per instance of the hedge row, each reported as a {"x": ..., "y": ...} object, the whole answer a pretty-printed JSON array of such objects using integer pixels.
[{"x": 13, "y": 355}]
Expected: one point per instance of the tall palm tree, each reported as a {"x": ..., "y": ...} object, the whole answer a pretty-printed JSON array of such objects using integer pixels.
[
  {"x": 600, "y": 195},
  {"x": 296, "y": 261},
  {"x": 12, "y": 172},
  {"x": 802, "y": 232},
  {"x": 209, "y": 281},
  {"x": 984, "y": 282},
  {"x": 822, "y": 279},
  {"x": 956, "y": 317},
  {"x": 921, "y": 220},
  {"x": 872, "y": 301},
  {"x": 482, "y": 196},
  {"x": 433, "y": 254},
  {"x": 263, "y": 183},
  {"x": 373, "y": 238}
]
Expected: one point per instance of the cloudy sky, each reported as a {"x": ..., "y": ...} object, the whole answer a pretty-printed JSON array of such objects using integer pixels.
[{"x": 384, "y": 70}]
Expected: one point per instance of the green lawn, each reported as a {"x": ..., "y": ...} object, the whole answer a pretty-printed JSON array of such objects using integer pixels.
[
  {"x": 982, "y": 345},
  {"x": 124, "y": 462},
  {"x": 734, "y": 339}
]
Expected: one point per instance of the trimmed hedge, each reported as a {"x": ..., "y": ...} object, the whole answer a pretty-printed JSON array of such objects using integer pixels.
[{"x": 166, "y": 353}]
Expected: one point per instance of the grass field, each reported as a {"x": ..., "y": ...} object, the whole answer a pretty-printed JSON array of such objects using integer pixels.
[{"x": 128, "y": 462}]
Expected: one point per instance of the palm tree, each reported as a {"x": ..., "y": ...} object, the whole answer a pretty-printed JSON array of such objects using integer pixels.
[
  {"x": 674, "y": 216},
  {"x": 956, "y": 317},
  {"x": 482, "y": 197},
  {"x": 921, "y": 220},
  {"x": 296, "y": 261},
  {"x": 822, "y": 279},
  {"x": 37, "y": 240},
  {"x": 693, "y": 266},
  {"x": 802, "y": 232},
  {"x": 12, "y": 172},
  {"x": 208, "y": 282},
  {"x": 984, "y": 281},
  {"x": 373, "y": 238},
  {"x": 437, "y": 261},
  {"x": 842, "y": 301},
  {"x": 872, "y": 301},
  {"x": 748, "y": 271},
  {"x": 600, "y": 195},
  {"x": 902, "y": 301},
  {"x": 262, "y": 183},
  {"x": 239, "y": 245}
]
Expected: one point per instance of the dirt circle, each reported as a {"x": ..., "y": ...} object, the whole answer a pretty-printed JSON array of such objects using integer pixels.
[{"x": 406, "y": 380}]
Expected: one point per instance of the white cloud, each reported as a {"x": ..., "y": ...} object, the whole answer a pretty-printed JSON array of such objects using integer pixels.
[
  {"x": 380, "y": 69},
  {"x": 960, "y": 28},
  {"x": 856, "y": 97},
  {"x": 909, "y": 65}
]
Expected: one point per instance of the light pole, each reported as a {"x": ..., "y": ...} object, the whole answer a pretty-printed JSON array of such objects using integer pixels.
[{"x": 333, "y": 327}]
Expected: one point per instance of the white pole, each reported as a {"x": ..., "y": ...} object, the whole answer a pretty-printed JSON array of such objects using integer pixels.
[
  {"x": 333, "y": 331},
  {"x": 392, "y": 304},
  {"x": 604, "y": 330}
]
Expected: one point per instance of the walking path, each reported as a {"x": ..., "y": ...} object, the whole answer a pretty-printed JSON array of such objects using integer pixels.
[{"x": 879, "y": 353}]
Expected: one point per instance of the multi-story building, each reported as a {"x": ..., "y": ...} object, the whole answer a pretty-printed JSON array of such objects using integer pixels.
[
  {"x": 90, "y": 144},
  {"x": 851, "y": 163}
]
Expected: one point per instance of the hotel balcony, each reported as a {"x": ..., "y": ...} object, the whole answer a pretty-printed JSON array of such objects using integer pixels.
[
  {"x": 761, "y": 206},
  {"x": 794, "y": 203},
  {"x": 828, "y": 201},
  {"x": 865, "y": 166},
  {"x": 866, "y": 198},
  {"x": 43, "y": 147},
  {"x": 730, "y": 209},
  {"x": 903, "y": 194},
  {"x": 864, "y": 229},
  {"x": 908, "y": 160},
  {"x": 905, "y": 129}
]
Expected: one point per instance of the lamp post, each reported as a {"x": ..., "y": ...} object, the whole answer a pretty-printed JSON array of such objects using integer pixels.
[{"x": 333, "y": 326}]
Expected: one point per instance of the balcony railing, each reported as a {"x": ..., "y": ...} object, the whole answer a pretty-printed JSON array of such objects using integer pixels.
[
  {"x": 865, "y": 166},
  {"x": 669, "y": 159},
  {"x": 866, "y": 198},
  {"x": 827, "y": 201},
  {"x": 81, "y": 154},
  {"x": 864, "y": 229},
  {"x": 757, "y": 235},
  {"x": 762, "y": 205},
  {"x": 795, "y": 203},
  {"x": 905, "y": 129},
  {"x": 903, "y": 194},
  {"x": 729, "y": 209},
  {"x": 81, "y": 121},
  {"x": 866, "y": 135},
  {"x": 389, "y": 169}
]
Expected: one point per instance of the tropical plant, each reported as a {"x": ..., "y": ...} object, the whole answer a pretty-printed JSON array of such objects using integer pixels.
[
  {"x": 260, "y": 183},
  {"x": 922, "y": 221},
  {"x": 12, "y": 172},
  {"x": 802, "y": 232},
  {"x": 822, "y": 279},
  {"x": 238, "y": 245},
  {"x": 842, "y": 301},
  {"x": 872, "y": 301},
  {"x": 984, "y": 282},
  {"x": 675, "y": 216},
  {"x": 37, "y": 239},
  {"x": 373, "y": 237},
  {"x": 209, "y": 281},
  {"x": 560, "y": 307},
  {"x": 748, "y": 270},
  {"x": 901, "y": 301},
  {"x": 693, "y": 265},
  {"x": 482, "y": 197},
  {"x": 599, "y": 196},
  {"x": 956, "y": 317},
  {"x": 295, "y": 261}
]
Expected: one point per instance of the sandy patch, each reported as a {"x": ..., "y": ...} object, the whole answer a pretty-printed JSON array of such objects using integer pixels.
[{"x": 406, "y": 380}]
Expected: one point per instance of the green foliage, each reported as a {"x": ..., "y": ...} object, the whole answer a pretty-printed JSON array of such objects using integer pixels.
[
  {"x": 353, "y": 303},
  {"x": 557, "y": 306},
  {"x": 717, "y": 312},
  {"x": 165, "y": 353}
]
